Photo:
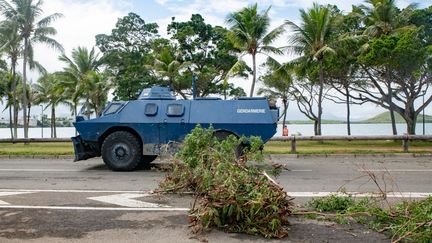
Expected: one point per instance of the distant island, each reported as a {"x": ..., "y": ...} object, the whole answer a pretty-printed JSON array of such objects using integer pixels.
[{"x": 381, "y": 118}]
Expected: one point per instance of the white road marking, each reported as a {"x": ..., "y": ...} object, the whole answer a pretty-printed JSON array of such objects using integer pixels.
[
  {"x": 10, "y": 194},
  {"x": 127, "y": 200},
  {"x": 361, "y": 194},
  {"x": 93, "y": 208}
]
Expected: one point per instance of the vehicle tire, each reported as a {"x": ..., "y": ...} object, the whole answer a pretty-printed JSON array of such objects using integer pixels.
[
  {"x": 146, "y": 161},
  {"x": 222, "y": 135},
  {"x": 121, "y": 151}
]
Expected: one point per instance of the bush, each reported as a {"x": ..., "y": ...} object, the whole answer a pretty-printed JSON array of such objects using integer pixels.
[
  {"x": 232, "y": 194},
  {"x": 408, "y": 221}
]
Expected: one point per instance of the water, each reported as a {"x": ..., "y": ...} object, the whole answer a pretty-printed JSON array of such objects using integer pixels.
[
  {"x": 303, "y": 129},
  {"x": 356, "y": 129}
]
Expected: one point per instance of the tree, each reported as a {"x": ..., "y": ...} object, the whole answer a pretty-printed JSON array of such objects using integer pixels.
[
  {"x": 10, "y": 42},
  {"x": 78, "y": 67},
  {"x": 169, "y": 67},
  {"x": 204, "y": 51},
  {"x": 47, "y": 92},
  {"x": 249, "y": 32},
  {"x": 277, "y": 83},
  {"x": 408, "y": 64},
  {"x": 341, "y": 67},
  {"x": 311, "y": 40},
  {"x": 127, "y": 52},
  {"x": 95, "y": 88},
  {"x": 25, "y": 13}
]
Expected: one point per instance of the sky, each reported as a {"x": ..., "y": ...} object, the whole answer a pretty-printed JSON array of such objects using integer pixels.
[{"x": 84, "y": 19}]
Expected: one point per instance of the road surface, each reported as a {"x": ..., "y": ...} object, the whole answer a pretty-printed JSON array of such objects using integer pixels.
[{"x": 46, "y": 200}]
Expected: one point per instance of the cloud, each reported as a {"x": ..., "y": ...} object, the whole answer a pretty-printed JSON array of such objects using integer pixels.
[{"x": 81, "y": 22}]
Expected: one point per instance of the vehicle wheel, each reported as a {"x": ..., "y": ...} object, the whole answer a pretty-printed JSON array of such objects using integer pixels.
[
  {"x": 121, "y": 151},
  {"x": 240, "y": 149},
  {"x": 222, "y": 135},
  {"x": 145, "y": 161}
]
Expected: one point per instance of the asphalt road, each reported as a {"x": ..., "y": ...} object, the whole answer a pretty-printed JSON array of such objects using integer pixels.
[{"x": 57, "y": 200}]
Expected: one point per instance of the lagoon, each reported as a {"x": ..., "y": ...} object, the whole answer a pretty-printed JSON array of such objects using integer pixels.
[{"x": 299, "y": 129}]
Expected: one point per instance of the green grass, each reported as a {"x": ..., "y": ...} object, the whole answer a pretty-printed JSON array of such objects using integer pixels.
[
  {"x": 36, "y": 149},
  {"x": 346, "y": 147},
  {"x": 303, "y": 147},
  {"x": 409, "y": 221}
]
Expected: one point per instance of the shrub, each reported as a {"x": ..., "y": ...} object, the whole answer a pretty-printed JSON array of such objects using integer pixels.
[{"x": 232, "y": 194}]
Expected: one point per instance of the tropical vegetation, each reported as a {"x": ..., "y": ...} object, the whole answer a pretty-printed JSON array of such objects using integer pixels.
[{"x": 376, "y": 53}]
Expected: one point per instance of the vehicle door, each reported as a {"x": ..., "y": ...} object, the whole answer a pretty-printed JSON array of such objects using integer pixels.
[{"x": 174, "y": 124}]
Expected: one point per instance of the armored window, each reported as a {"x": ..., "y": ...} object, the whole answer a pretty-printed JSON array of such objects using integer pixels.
[
  {"x": 175, "y": 110},
  {"x": 151, "y": 109},
  {"x": 113, "y": 108}
]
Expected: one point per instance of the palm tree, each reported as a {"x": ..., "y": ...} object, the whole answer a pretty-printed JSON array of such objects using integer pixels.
[
  {"x": 380, "y": 17},
  {"x": 311, "y": 40},
  {"x": 167, "y": 66},
  {"x": 25, "y": 13},
  {"x": 249, "y": 33},
  {"x": 10, "y": 43},
  {"x": 77, "y": 68},
  {"x": 47, "y": 92},
  {"x": 95, "y": 88},
  {"x": 277, "y": 83}
]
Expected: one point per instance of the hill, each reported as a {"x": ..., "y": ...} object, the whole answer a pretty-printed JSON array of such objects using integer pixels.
[{"x": 385, "y": 118}]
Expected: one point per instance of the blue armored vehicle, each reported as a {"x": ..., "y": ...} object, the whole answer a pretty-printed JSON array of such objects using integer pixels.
[{"x": 135, "y": 132}]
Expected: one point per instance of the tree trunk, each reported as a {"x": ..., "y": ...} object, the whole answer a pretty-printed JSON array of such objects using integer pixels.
[
  {"x": 14, "y": 100},
  {"x": 10, "y": 121},
  {"x": 254, "y": 74},
  {"x": 348, "y": 111},
  {"x": 320, "y": 96},
  {"x": 24, "y": 97},
  {"x": 15, "y": 114},
  {"x": 28, "y": 116},
  {"x": 315, "y": 127},
  {"x": 285, "y": 108},
  {"x": 76, "y": 114},
  {"x": 53, "y": 122},
  {"x": 390, "y": 101},
  {"x": 411, "y": 127}
]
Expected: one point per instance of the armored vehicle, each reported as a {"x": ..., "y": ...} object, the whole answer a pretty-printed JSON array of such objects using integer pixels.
[{"x": 135, "y": 132}]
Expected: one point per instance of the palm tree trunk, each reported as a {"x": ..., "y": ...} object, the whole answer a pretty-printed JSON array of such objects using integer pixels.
[
  {"x": 254, "y": 74},
  {"x": 14, "y": 95},
  {"x": 52, "y": 121},
  {"x": 24, "y": 97},
  {"x": 348, "y": 111},
  {"x": 10, "y": 121},
  {"x": 76, "y": 114},
  {"x": 28, "y": 116},
  {"x": 320, "y": 96},
  {"x": 55, "y": 125},
  {"x": 15, "y": 114},
  {"x": 284, "y": 101}
]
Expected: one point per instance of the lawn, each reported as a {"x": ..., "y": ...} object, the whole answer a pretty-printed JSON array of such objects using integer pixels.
[
  {"x": 346, "y": 147},
  {"x": 303, "y": 147},
  {"x": 36, "y": 149}
]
